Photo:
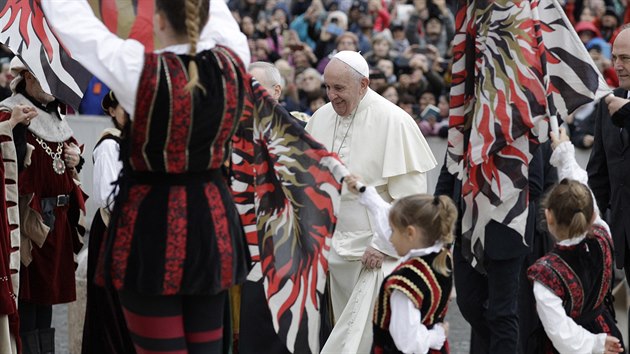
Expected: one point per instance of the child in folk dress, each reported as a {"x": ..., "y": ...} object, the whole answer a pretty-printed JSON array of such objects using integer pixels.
[
  {"x": 572, "y": 282},
  {"x": 413, "y": 299}
]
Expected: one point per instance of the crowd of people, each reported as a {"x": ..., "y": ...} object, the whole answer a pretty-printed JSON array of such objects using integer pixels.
[{"x": 368, "y": 80}]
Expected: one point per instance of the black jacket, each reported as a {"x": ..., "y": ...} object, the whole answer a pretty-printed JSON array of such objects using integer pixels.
[{"x": 609, "y": 179}]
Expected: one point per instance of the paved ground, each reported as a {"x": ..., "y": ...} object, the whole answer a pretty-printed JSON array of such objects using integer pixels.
[{"x": 459, "y": 335}]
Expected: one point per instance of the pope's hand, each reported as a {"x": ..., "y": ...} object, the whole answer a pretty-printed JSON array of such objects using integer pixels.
[{"x": 372, "y": 258}]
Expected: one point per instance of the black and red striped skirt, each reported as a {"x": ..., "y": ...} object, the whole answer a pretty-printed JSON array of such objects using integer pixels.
[{"x": 175, "y": 234}]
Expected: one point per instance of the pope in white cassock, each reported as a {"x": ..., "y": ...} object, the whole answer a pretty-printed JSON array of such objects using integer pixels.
[{"x": 382, "y": 144}]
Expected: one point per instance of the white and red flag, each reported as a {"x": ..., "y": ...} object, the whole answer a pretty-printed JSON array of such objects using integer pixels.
[
  {"x": 517, "y": 66},
  {"x": 25, "y": 31}
]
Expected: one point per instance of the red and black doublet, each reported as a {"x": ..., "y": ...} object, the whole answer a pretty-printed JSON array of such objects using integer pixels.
[
  {"x": 175, "y": 228},
  {"x": 581, "y": 275},
  {"x": 425, "y": 287}
]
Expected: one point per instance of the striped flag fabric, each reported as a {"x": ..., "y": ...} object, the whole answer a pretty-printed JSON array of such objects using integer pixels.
[
  {"x": 287, "y": 188},
  {"x": 25, "y": 31},
  {"x": 517, "y": 66}
]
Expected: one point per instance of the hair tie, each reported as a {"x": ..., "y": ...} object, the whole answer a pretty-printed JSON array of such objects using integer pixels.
[
  {"x": 436, "y": 200},
  {"x": 575, "y": 211}
]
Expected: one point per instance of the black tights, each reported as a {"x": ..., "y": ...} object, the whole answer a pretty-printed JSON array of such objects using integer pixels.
[{"x": 34, "y": 316}]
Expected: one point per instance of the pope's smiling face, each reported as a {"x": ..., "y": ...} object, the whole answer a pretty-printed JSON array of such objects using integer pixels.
[{"x": 345, "y": 87}]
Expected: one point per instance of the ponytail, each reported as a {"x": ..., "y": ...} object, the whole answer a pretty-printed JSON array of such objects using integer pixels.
[
  {"x": 193, "y": 24},
  {"x": 572, "y": 206},
  {"x": 443, "y": 263},
  {"x": 446, "y": 216}
]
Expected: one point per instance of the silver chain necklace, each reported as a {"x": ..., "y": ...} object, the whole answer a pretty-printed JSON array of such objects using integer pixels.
[
  {"x": 58, "y": 165},
  {"x": 345, "y": 135}
]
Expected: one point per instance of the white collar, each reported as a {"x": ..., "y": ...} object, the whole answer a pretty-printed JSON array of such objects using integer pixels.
[
  {"x": 572, "y": 241},
  {"x": 180, "y": 49},
  {"x": 419, "y": 252}
]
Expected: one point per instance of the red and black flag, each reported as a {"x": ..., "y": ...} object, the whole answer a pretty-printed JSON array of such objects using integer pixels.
[
  {"x": 25, "y": 31},
  {"x": 287, "y": 189},
  {"x": 517, "y": 66}
]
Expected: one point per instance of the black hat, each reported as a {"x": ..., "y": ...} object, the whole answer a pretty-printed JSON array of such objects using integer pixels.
[
  {"x": 397, "y": 25},
  {"x": 610, "y": 11},
  {"x": 109, "y": 101}
]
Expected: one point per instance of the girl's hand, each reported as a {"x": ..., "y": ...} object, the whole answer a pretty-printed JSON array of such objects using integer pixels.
[
  {"x": 352, "y": 182},
  {"x": 612, "y": 345},
  {"x": 555, "y": 141},
  {"x": 445, "y": 326}
]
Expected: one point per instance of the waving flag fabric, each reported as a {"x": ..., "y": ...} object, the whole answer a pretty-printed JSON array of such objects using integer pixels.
[
  {"x": 287, "y": 188},
  {"x": 25, "y": 31},
  {"x": 517, "y": 64},
  {"x": 128, "y": 18}
]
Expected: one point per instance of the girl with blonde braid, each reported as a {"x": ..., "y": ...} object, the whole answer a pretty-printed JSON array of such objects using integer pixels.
[
  {"x": 413, "y": 300},
  {"x": 175, "y": 243}
]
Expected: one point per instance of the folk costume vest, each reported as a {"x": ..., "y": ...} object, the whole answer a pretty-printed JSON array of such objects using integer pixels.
[
  {"x": 425, "y": 287},
  {"x": 581, "y": 275}
]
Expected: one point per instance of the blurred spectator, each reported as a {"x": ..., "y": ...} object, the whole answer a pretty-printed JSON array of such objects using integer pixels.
[
  {"x": 439, "y": 31},
  {"x": 335, "y": 25},
  {"x": 587, "y": 31},
  {"x": 408, "y": 103},
  {"x": 281, "y": 16},
  {"x": 268, "y": 76},
  {"x": 602, "y": 62},
  {"x": 444, "y": 105},
  {"x": 422, "y": 77},
  {"x": 346, "y": 41},
  {"x": 315, "y": 100},
  {"x": 248, "y": 27},
  {"x": 302, "y": 59},
  {"x": 299, "y": 7},
  {"x": 250, "y": 8},
  {"x": 381, "y": 49},
  {"x": 401, "y": 43},
  {"x": 377, "y": 79},
  {"x": 426, "y": 98},
  {"x": 308, "y": 24},
  {"x": 387, "y": 67},
  {"x": 379, "y": 14},
  {"x": 390, "y": 93},
  {"x": 609, "y": 23},
  {"x": 308, "y": 82},
  {"x": 357, "y": 10},
  {"x": 290, "y": 99},
  {"x": 365, "y": 34}
]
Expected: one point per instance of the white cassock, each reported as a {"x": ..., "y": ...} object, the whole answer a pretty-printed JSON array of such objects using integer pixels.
[{"x": 383, "y": 145}]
